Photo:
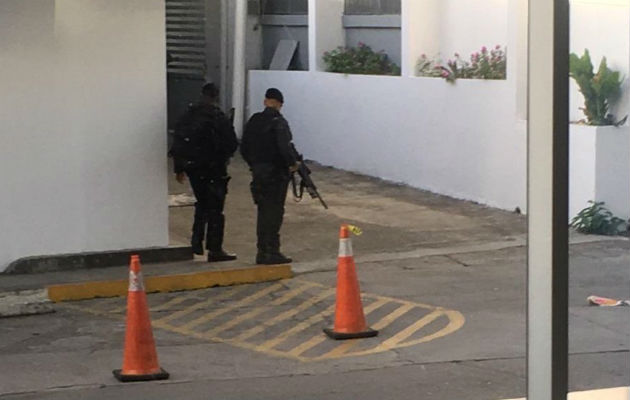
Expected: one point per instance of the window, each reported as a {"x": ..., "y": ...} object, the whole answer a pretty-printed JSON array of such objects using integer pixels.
[
  {"x": 372, "y": 7},
  {"x": 286, "y": 7}
]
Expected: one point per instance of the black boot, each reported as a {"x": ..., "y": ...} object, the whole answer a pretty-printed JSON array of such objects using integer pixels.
[
  {"x": 272, "y": 259},
  {"x": 198, "y": 230},
  {"x": 197, "y": 245},
  {"x": 261, "y": 256},
  {"x": 272, "y": 254},
  {"x": 216, "y": 226},
  {"x": 220, "y": 255}
]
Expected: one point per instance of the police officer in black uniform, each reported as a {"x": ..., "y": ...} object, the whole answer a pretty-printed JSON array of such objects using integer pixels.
[
  {"x": 266, "y": 147},
  {"x": 203, "y": 143}
]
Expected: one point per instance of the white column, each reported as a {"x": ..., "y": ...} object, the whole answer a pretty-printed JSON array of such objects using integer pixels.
[
  {"x": 517, "y": 54},
  {"x": 239, "y": 65},
  {"x": 421, "y": 21},
  {"x": 548, "y": 154},
  {"x": 325, "y": 30}
]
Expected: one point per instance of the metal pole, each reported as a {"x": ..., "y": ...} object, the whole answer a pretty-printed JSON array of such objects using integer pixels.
[
  {"x": 239, "y": 65},
  {"x": 548, "y": 165}
]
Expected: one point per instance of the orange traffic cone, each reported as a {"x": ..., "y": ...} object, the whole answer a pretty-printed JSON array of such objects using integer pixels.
[
  {"x": 349, "y": 318},
  {"x": 140, "y": 362}
]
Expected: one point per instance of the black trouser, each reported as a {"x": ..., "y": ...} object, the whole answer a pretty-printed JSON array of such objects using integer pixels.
[
  {"x": 269, "y": 190},
  {"x": 210, "y": 192}
]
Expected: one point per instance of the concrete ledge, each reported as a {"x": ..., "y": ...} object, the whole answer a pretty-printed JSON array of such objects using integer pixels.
[
  {"x": 170, "y": 283},
  {"x": 67, "y": 262},
  {"x": 284, "y": 20},
  {"x": 21, "y": 303},
  {"x": 372, "y": 21}
]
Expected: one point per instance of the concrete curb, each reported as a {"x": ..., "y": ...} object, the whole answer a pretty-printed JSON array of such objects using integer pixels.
[
  {"x": 170, "y": 283},
  {"x": 69, "y": 262},
  {"x": 26, "y": 302}
]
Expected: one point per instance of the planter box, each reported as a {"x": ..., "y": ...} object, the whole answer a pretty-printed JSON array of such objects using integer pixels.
[{"x": 600, "y": 168}]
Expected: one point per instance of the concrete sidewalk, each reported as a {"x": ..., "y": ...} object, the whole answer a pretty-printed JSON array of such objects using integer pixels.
[{"x": 398, "y": 223}]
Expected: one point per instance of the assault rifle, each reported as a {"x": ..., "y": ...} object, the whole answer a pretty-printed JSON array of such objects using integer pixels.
[
  {"x": 305, "y": 182},
  {"x": 231, "y": 115}
]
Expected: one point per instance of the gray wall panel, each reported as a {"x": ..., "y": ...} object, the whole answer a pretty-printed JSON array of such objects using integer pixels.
[
  {"x": 272, "y": 34},
  {"x": 387, "y": 39}
]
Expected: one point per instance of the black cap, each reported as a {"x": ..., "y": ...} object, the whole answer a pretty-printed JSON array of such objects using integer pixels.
[
  {"x": 275, "y": 94},
  {"x": 210, "y": 90}
]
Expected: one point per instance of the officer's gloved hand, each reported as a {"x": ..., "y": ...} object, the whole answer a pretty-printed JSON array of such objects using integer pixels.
[{"x": 294, "y": 167}]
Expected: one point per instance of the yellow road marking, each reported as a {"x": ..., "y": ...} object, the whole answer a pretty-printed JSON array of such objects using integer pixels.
[
  {"x": 198, "y": 306},
  {"x": 259, "y": 310},
  {"x": 270, "y": 344},
  {"x": 284, "y": 316},
  {"x": 106, "y": 303},
  {"x": 410, "y": 330},
  {"x": 173, "y": 302},
  {"x": 247, "y": 300},
  {"x": 456, "y": 321},
  {"x": 315, "y": 340},
  {"x": 383, "y": 323},
  {"x": 118, "y": 310},
  {"x": 452, "y": 322}
]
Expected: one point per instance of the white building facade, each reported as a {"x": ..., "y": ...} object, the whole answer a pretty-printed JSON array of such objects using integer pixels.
[{"x": 83, "y": 111}]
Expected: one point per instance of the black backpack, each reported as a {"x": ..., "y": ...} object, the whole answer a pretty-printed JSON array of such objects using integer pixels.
[{"x": 196, "y": 140}]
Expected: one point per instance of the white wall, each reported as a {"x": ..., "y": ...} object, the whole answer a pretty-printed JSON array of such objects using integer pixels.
[
  {"x": 466, "y": 140},
  {"x": 83, "y": 116},
  {"x": 441, "y": 28},
  {"x": 602, "y": 27},
  {"x": 467, "y": 25},
  {"x": 327, "y": 15},
  {"x": 456, "y": 140},
  {"x": 420, "y": 32},
  {"x": 600, "y": 168}
]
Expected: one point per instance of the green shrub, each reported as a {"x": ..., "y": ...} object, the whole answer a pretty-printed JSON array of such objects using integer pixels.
[
  {"x": 600, "y": 90},
  {"x": 359, "y": 60},
  {"x": 598, "y": 220}
]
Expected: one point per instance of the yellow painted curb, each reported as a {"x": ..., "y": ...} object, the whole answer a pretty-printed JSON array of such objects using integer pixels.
[{"x": 170, "y": 283}]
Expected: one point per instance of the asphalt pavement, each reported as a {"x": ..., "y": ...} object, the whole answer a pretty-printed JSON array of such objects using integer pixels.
[{"x": 444, "y": 280}]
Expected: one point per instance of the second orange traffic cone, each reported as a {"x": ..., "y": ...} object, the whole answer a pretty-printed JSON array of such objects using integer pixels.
[
  {"x": 140, "y": 361},
  {"x": 349, "y": 318}
]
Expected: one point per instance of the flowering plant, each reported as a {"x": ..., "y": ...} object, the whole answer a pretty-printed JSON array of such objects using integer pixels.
[
  {"x": 359, "y": 60},
  {"x": 484, "y": 64}
]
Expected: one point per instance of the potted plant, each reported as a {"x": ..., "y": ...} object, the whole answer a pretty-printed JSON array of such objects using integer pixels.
[
  {"x": 359, "y": 60},
  {"x": 483, "y": 64},
  {"x": 600, "y": 90},
  {"x": 599, "y": 144}
]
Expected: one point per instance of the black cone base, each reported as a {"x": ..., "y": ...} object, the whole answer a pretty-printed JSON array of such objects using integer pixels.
[
  {"x": 345, "y": 336},
  {"x": 140, "y": 378}
]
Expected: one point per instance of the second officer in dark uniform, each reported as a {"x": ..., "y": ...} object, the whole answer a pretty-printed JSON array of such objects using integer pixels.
[
  {"x": 266, "y": 147},
  {"x": 203, "y": 143}
]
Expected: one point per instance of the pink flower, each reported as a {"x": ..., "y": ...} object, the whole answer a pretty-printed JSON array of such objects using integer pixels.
[
  {"x": 445, "y": 74},
  {"x": 361, "y": 44},
  {"x": 457, "y": 55},
  {"x": 423, "y": 55},
  {"x": 484, "y": 49},
  {"x": 498, "y": 47}
]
